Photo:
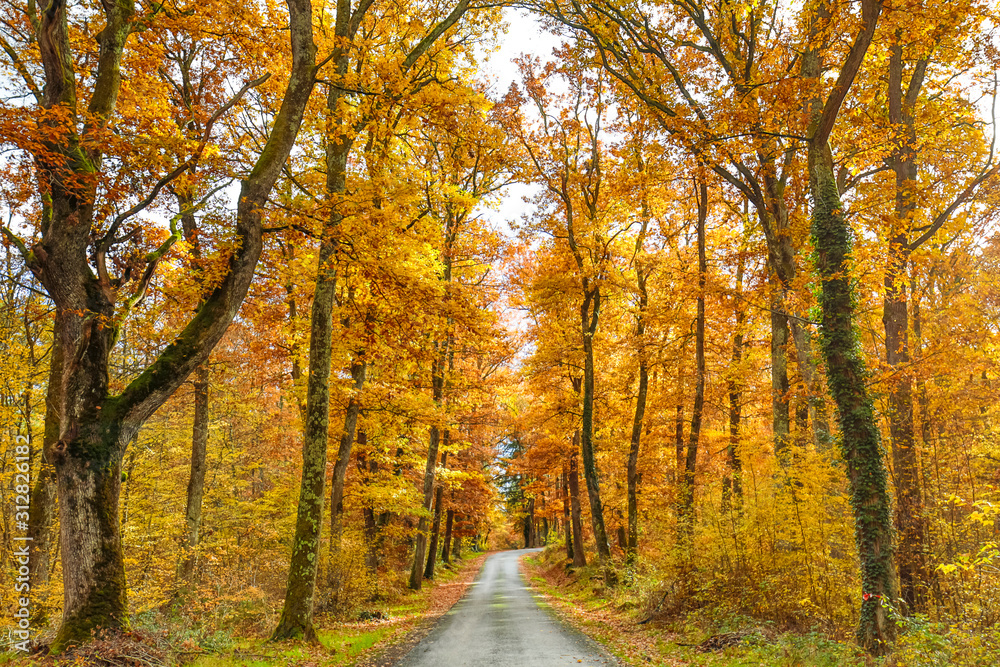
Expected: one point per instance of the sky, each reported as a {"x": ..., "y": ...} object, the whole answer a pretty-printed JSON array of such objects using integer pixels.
[{"x": 524, "y": 35}]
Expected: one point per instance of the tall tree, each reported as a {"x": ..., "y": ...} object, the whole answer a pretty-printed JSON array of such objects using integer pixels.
[
  {"x": 69, "y": 257},
  {"x": 846, "y": 371}
]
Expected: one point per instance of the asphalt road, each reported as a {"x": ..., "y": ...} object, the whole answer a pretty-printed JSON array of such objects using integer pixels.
[{"x": 500, "y": 624}]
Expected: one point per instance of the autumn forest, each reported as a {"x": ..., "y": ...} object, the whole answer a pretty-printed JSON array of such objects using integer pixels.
[{"x": 304, "y": 315}]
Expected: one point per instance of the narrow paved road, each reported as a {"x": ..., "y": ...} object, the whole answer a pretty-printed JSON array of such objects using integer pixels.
[{"x": 499, "y": 624}]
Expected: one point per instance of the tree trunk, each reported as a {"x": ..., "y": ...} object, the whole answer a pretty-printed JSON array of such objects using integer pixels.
[
  {"x": 579, "y": 558},
  {"x": 437, "y": 389},
  {"x": 732, "y": 484},
  {"x": 93, "y": 563},
  {"x": 847, "y": 375},
  {"x": 43, "y": 494},
  {"x": 448, "y": 527},
  {"x": 436, "y": 527},
  {"x": 296, "y": 616},
  {"x": 846, "y": 371},
  {"x": 633, "y": 460},
  {"x": 567, "y": 529},
  {"x": 369, "y": 468},
  {"x": 529, "y": 525},
  {"x": 358, "y": 374},
  {"x": 780, "y": 419},
  {"x": 196, "y": 481},
  {"x": 686, "y": 514},
  {"x": 913, "y": 575},
  {"x": 589, "y": 313}
]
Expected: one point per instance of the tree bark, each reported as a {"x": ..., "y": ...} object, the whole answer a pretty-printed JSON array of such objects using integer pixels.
[
  {"x": 780, "y": 420},
  {"x": 906, "y": 469},
  {"x": 359, "y": 371},
  {"x": 686, "y": 514},
  {"x": 448, "y": 527},
  {"x": 846, "y": 371},
  {"x": 437, "y": 389},
  {"x": 579, "y": 557},
  {"x": 436, "y": 527},
  {"x": 732, "y": 483},
  {"x": 43, "y": 494},
  {"x": 529, "y": 525},
  {"x": 196, "y": 480}
]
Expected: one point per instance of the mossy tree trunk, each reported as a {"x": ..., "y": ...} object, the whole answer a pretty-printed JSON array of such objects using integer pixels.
[
  {"x": 70, "y": 261},
  {"x": 296, "y": 616},
  {"x": 847, "y": 375}
]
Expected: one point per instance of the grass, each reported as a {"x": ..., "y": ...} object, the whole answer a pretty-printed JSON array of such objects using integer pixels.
[
  {"x": 341, "y": 643},
  {"x": 612, "y": 618}
]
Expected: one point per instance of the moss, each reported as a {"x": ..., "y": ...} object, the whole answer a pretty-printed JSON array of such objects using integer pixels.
[{"x": 860, "y": 443}]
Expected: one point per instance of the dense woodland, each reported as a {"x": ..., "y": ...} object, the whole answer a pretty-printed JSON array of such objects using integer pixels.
[{"x": 276, "y": 358}]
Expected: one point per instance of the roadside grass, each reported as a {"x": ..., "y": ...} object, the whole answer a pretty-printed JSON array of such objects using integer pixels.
[
  {"x": 612, "y": 617},
  {"x": 161, "y": 639}
]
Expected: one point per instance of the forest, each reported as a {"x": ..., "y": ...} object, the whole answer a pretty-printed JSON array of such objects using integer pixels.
[{"x": 303, "y": 315}]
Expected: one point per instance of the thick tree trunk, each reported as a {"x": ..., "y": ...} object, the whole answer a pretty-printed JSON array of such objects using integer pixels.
[
  {"x": 196, "y": 480},
  {"x": 93, "y": 563},
  {"x": 847, "y": 375},
  {"x": 296, "y": 616},
  {"x": 436, "y": 527},
  {"x": 579, "y": 558}
]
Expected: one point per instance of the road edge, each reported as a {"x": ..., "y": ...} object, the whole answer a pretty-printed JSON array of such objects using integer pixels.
[
  {"x": 556, "y": 607},
  {"x": 391, "y": 650}
]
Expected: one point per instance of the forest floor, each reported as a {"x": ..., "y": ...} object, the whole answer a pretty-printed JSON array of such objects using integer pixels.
[
  {"x": 581, "y": 599},
  {"x": 361, "y": 643}
]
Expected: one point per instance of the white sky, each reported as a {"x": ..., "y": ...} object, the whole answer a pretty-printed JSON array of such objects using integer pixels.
[{"x": 523, "y": 35}]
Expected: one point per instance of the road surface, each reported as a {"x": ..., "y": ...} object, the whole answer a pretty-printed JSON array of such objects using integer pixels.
[{"x": 500, "y": 624}]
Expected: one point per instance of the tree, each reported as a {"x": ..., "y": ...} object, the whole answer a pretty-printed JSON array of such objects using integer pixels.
[
  {"x": 846, "y": 371},
  {"x": 565, "y": 154},
  {"x": 70, "y": 258},
  {"x": 296, "y": 618}
]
